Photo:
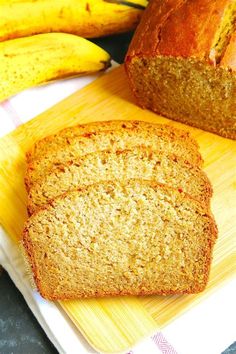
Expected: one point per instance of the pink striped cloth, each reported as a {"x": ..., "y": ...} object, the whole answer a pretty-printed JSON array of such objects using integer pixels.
[
  {"x": 206, "y": 329},
  {"x": 11, "y": 113}
]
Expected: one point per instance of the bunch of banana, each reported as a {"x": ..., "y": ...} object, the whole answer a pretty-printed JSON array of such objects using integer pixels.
[
  {"x": 49, "y": 49},
  {"x": 85, "y": 18}
]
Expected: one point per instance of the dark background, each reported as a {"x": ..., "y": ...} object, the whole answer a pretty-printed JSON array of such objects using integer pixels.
[{"x": 20, "y": 333}]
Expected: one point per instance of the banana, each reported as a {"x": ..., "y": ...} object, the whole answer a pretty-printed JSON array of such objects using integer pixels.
[
  {"x": 30, "y": 61},
  {"x": 85, "y": 18}
]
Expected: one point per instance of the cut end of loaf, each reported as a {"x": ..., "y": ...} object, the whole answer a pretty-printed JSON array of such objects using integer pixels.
[
  {"x": 186, "y": 90},
  {"x": 117, "y": 239}
]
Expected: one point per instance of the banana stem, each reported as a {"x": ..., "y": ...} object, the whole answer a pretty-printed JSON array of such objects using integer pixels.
[{"x": 127, "y": 3}]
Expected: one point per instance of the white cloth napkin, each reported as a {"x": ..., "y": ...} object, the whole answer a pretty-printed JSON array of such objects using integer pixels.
[{"x": 208, "y": 328}]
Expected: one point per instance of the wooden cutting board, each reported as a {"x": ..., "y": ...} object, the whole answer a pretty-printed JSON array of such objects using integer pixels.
[{"x": 115, "y": 324}]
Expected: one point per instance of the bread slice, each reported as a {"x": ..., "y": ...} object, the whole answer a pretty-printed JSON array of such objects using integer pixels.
[
  {"x": 107, "y": 165},
  {"x": 50, "y": 143},
  {"x": 160, "y": 139},
  {"x": 115, "y": 238}
]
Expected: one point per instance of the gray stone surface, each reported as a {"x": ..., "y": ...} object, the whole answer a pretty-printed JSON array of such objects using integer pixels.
[
  {"x": 231, "y": 349},
  {"x": 20, "y": 333}
]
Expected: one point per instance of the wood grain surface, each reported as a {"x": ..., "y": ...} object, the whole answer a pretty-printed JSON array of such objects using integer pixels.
[{"x": 115, "y": 324}]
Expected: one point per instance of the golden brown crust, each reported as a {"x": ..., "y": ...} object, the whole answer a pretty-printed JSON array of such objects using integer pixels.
[
  {"x": 30, "y": 254},
  {"x": 229, "y": 59},
  {"x": 74, "y": 296},
  {"x": 147, "y": 34},
  {"x": 178, "y": 28}
]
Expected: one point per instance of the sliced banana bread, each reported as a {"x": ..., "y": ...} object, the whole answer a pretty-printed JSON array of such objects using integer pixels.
[
  {"x": 112, "y": 238},
  {"x": 63, "y": 137},
  {"x": 112, "y": 140},
  {"x": 140, "y": 163}
]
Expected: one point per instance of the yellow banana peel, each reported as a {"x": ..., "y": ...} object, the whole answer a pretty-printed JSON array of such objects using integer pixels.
[
  {"x": 30, "y": 61},
  {"x": 85, "y": 18}
]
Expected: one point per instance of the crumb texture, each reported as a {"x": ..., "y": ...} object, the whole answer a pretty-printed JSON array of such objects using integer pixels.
[
  {"x": 125, "y": 164},
  {"x": 155, "y": 136},
  {"x": 115, "y": 238},
  {"x": 118, "y": 208}
]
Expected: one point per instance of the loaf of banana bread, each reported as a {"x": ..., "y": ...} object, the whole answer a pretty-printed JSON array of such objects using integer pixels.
[{"x": 182, "y": 62}]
